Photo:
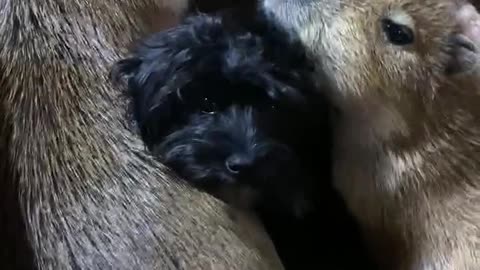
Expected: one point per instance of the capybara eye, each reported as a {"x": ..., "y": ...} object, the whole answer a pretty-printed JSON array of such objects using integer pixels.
[
  {"x": 396, "y": 33},
  {"x": 208, "y": 106}
]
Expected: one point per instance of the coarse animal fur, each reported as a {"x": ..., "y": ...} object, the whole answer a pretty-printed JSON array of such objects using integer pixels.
[
  {"x": 406, "y": 155},
  {"x": 218, "y": 89},
  {"x": 77, "y": 189},
  {"x": 228, "y": 111}
]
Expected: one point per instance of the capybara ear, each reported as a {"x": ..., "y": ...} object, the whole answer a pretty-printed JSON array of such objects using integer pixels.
[
  {"x": 465, "y": 45},
  {"x": 465, "y": 55}
]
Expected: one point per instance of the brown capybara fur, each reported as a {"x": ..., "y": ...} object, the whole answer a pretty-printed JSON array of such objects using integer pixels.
[
  {"x": 77, "y": 189},
  {"x": 407, "y": 150}
]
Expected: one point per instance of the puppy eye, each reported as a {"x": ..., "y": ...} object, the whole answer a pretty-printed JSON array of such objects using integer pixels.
[
  {"x": 208, "y": 106},
  {"x": 396, "y": 33}
]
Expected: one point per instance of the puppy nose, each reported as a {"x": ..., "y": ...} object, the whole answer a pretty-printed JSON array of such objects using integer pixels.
[{"x": 238, "y": 163}]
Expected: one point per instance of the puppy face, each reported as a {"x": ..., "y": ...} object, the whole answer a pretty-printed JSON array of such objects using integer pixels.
[
  {"x": 216, "y": 105},
  {"x": 235, "y": 149},
  {"x": 221, "y": 147}
]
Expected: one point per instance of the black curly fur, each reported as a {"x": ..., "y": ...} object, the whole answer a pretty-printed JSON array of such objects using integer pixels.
[
  {"x": 214, "y": 93},
  {"x": 214, "y": 53}
]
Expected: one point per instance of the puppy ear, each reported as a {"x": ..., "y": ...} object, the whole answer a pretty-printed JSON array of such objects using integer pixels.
[{"x": 155, "y": 71}]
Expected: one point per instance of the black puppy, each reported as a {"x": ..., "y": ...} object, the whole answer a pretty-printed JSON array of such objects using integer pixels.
[{"x": 229, "y": 106}]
